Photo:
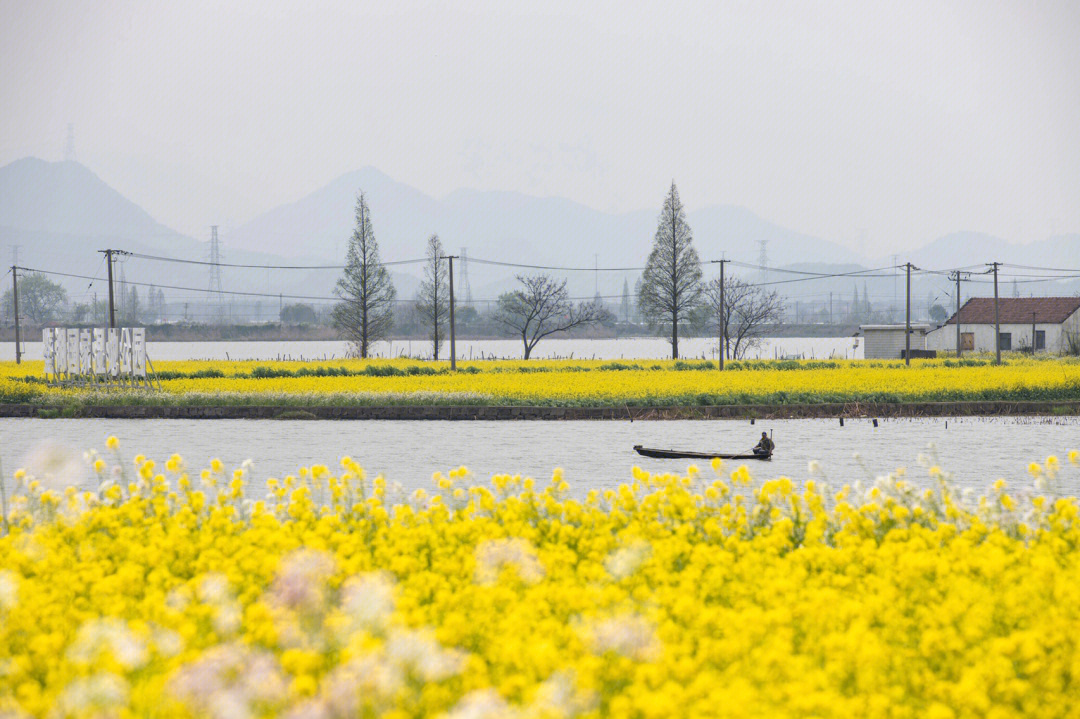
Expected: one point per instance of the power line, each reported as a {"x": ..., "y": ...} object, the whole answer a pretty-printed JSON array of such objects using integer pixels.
[
  {"x": 159, "y": 258},
  {"x": 555, "y": 269}
]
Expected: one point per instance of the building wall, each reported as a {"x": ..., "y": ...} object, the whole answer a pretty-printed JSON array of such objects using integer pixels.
[
  {"x": 943, "y": 339},
  {"x": 888, "y": 344}
]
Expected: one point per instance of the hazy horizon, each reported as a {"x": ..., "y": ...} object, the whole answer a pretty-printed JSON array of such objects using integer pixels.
[{"x": 879, "y": 128}]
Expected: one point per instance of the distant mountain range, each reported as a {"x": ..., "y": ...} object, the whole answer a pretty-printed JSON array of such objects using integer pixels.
[
  {"x": 61, "y": 214},
  {"x": 511, "y": 226}
]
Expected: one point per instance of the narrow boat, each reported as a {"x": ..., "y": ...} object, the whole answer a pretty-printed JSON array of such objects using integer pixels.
[{"x": 681, "y": 454}]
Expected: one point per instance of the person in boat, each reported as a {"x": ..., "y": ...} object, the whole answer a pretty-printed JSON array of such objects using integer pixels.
[{"x": 765, "y": 445}]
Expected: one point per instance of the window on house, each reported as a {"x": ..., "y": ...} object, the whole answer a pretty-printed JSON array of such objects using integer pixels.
[
  {"x": 967, "y": 341},
  {"x": 1040, "y": 339},
  {"x": 1005, "y": 341}
]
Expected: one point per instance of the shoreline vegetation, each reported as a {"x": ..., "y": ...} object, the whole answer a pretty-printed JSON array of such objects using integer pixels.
[
  {"x": 285, "y": 332},
  {"x": 556, "y": 389}
]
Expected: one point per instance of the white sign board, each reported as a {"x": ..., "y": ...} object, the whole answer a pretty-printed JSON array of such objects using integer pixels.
[
  {"x": 138, "y": 351},
  {"x": 73, "y": 351},
  {"x": 85, "y": 358},
  {"x": 60, "y": 351},
  {"x": 125, "y": 351},
  {"x": 99, "y": 351},
  {"x": 74, "y": 354},
  {"x": 112, "y": 351},
  {"x": 48, "y": 349}
]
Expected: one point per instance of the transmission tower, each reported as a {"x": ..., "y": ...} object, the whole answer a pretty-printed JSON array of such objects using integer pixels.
[
  {"x": 216, "y": 299},
  {"x": 763, "y": 259},
  {"x": 465, "y": 275},
  {"x": 69, "y": 148}
]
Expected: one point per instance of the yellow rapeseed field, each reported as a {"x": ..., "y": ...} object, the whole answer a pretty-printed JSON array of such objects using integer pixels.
[
  {"x": 571, "y": 383},
  {"x": 177, "y": 593}
]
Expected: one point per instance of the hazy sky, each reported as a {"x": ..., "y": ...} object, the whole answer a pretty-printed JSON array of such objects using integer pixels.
[{"x": 900, "y": 120}]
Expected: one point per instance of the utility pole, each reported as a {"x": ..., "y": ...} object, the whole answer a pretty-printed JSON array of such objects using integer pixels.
[
  {"x": 1033, "y": 347},
  {"x": 453, "y": 347},
  {"x": 907, "y": 320},
  {"x": 997, "y": 316},
  {"x": 110, "y": 258},
  {"x": 830, "y": 308},
  {"x": 957, "y": 276},
  {"x": 15, "y": 299},
  {"x": 112, "y": 299},
  {"x": 723, "y": 320}
]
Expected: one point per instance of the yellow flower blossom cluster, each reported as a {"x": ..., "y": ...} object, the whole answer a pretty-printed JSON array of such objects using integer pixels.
[
  {"x": 173, "y": 593},
  {"x": 574, "y": 382}
]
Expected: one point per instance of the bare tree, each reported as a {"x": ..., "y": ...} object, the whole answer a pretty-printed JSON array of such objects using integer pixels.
[
  {"x": 748, "y": 311},
  {"x": 671, "y": 283},
  {"x": 433, "y": 299},
  {"x": 541, "y": 307},
  {"x": 366, "y": 313}
]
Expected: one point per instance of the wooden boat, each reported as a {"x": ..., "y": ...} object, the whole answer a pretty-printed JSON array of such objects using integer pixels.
[{"x": 681, "y": 454}]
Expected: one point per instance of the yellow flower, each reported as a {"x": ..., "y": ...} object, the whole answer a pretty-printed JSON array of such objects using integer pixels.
[
  {"x": 317, "y": 596},
  {"x": 112, "y": 442}
]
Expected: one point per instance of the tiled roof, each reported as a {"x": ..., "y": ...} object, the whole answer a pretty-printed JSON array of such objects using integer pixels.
[{"x": 1017, "y": 310}]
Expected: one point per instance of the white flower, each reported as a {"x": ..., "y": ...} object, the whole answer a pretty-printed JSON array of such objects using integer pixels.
[
  {"x": 9, "y": 589},
  {"x": 301, "y": 579},
  {"x": 631, "y": 635},
  {"x": 55, "y": 465},
  {"x": 624, "y": 561},
  {"x": 369, "y": 599},
  {"x": 108, "y": 636},
  {"x": 481, "y": 704},
  {"x": 494, "y": 554}
]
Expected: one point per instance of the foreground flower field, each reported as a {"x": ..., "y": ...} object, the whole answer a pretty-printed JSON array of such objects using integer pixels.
[
  {"x": 174, "y": 593},
  {"x": 568, "y": 383}
]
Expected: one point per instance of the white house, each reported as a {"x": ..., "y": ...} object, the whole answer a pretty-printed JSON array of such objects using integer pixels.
[
  {"x": 887, "y": 341},
  {"x": 1045, "y": 322}
]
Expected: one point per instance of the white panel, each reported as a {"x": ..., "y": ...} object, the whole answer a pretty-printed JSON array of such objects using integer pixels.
[
  {"x": 48, "y": 349},
  {"x": 99, "y": 351},
  {"x": 73, "y": 351},
  {"x": 85, "y": 358},
  {"x": 60, "y": 351},
  {"x": 138, "y": 351},
  {"x": 125, "y": 351},
  {"x": 112, "y": 351}
]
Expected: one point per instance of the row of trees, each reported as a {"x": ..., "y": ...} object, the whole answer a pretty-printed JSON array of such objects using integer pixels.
[
  {"x": 540, "y": 307},
  {"x": 670, "y": 295},
  {"x": 42, "y": 301}
]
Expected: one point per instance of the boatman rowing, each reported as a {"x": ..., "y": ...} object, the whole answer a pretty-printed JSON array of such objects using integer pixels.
[{"x": 765, "y": 446}]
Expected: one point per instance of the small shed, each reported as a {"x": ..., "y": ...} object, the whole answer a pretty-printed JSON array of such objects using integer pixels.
[
  {"x": 1045, "y": 324},
  {"x": 887, "y": 341}
]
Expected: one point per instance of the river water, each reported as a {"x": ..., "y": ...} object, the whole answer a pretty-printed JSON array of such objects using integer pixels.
[
  {"x": 606, "y": 349},
  {"x": 593, "y": 454}
]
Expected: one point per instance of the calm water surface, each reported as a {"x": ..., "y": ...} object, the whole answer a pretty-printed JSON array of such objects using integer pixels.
[
  {"x": 608, "y": 349},
  {"x": 593, "y": 453}
]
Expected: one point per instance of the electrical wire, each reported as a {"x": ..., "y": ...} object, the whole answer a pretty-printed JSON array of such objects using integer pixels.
[{"x": 158, "y": 258}]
